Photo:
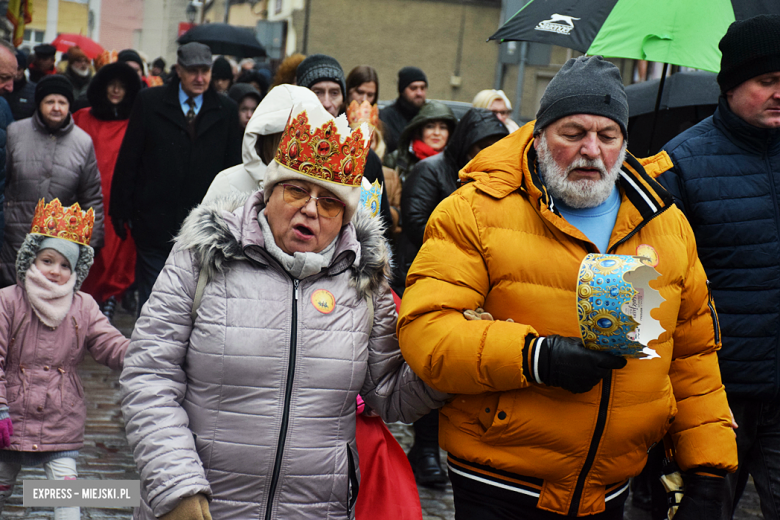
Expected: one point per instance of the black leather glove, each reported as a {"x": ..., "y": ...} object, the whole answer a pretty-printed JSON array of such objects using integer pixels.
[
  {"x": 566, "y": 363},
  {"x": 702, "y": 498},
  {"x": 119, "y": 227}
]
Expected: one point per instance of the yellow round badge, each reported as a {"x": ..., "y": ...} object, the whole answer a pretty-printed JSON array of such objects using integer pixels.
[
  {"x": 323, "y": 301},
  {"x": 648, "y": 254}
]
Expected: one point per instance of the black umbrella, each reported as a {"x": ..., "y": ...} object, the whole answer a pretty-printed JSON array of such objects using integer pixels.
[
  {"x": 688, "y": 97},
  {"x": 680, "y": 90},
  {"x": 227, "y": 39}
]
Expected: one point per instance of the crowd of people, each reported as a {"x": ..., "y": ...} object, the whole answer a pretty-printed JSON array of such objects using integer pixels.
[{"x": 305, "y": 266}]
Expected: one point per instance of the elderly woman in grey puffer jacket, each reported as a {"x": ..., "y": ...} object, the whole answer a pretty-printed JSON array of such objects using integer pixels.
[{"x": 247, "y": 409}]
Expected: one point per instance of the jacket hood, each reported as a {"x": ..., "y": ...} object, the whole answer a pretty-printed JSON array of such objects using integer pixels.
[
  {"x": 475, "y": 125},
  {"x": 510, "y": 165},
  {"x": 222, "y": 231},
  {"x": 430, "y": 111},
  {"x": 271, "y": 117},
  {"x": 29, "y": 250},
  {"x": 96, "y": 92}
]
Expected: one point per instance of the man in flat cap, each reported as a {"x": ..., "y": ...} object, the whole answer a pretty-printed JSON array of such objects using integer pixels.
[
  {"x": 179, "y": 137},
  {"x": 726, "y": 178},
  {"x": 542, "y": 427},
  {"x": 42, "y": 63}
]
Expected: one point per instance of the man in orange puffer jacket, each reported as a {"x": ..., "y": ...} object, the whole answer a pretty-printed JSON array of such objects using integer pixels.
[{"x": 542, "y": 427}]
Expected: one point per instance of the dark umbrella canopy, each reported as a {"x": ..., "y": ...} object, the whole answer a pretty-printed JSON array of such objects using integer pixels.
[
  {"x": 680, "y": 90},
  {"x": 680, "y": 32},
  {"x": 227, "y": 39}
]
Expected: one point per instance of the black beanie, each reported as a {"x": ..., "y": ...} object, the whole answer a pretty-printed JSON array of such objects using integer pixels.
[
  {"x": 409, "y": 75},
  {"x": 584, "y": 85},
  {"x": 53, "y": 84},
  {"x": 130, "y": 55},
  {"x": 319, "y": 67},
  {"x": 221, "y": 69},
  {"x": 750, "y": 48}
]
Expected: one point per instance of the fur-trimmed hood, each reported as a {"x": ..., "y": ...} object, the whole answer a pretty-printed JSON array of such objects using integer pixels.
[
  {"x": 29, "y": 250},
  {"x": 226, "y": 230}
]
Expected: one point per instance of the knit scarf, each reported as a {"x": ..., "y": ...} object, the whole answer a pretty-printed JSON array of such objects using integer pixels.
[
  {"x": 299, "y": 265},
  {"x": 422, "y": 150},
  {"x": 50, "y": 301}
]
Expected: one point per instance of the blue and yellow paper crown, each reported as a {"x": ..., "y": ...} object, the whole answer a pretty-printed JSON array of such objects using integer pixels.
[{"x": 614, "y": 301}]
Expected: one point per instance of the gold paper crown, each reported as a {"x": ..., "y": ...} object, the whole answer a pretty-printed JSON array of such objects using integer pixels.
[
  {"x": 104, "y": 58},
  {"x": 321, "y": 153},
  {"x": 52, "y": 220},
  {"x": 365, "y": 112}
]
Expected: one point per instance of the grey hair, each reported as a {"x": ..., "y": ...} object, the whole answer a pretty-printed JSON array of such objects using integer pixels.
[{"x": 30, "y": 248}]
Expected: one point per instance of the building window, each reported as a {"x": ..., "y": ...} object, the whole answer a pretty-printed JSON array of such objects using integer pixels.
[
  {"x": 278, "y": 6},
  {"x": 32, "y": 37}
]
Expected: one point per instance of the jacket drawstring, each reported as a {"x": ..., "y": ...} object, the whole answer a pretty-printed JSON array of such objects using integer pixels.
[{"x": 62, "y": 383}]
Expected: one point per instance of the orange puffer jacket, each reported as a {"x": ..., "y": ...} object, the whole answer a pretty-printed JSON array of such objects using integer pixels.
[{"x": 499, "y": 243}]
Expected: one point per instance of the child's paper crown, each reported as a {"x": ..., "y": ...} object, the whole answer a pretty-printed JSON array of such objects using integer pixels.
[{"x": 52, "y": 220}]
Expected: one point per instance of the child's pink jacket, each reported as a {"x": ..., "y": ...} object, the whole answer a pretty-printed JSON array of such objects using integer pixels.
[{"x": 38, "y": 377}]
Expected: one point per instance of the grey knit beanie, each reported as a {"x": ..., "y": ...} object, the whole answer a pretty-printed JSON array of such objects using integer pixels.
[
  {"x": 584, "y": 85},
  {"x": 319, "y": 67}
]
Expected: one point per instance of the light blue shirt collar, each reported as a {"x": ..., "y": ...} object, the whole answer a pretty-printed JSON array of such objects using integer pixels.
[{"x": 183, "y": 101}]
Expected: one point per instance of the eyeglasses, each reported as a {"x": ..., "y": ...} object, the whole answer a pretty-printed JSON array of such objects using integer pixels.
[
  {"x": 501, "y": 112},
  {"x": 298, "y": 197}
]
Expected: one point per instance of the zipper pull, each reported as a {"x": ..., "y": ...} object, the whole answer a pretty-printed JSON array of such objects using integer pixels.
[{"x": 296, "y": 283}]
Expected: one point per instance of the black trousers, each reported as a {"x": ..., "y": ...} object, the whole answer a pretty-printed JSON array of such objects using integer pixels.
[
  {"x": 426, "y": 430},
  {"x": 148, "y": 264},
  {"x": 477, "y": 501}
]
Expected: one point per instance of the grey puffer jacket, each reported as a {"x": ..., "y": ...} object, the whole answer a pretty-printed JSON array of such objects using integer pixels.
[
  {"x": 253, "y": 404},
  {"x": 42, "y": 164}
]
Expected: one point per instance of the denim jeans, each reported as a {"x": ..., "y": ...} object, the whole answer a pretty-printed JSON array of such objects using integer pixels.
[{"x": 758, "y": 446}]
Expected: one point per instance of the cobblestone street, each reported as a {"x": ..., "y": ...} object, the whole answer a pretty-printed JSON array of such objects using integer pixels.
[{"x": 106, "y": 455}]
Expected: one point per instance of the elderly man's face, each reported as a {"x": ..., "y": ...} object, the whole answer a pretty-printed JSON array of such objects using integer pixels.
[
  {"x": 301, "y": 230},
  {"x": 329, "y": 94},
  {"x": 194, "y": 80},
  {"x": 757, "y": 100},
  {"x": 580, "y": 158},
  {"x": 7, "y": 71}
]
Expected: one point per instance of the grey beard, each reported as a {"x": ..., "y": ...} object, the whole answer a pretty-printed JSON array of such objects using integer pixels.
[{"x": 582, "y": 193}]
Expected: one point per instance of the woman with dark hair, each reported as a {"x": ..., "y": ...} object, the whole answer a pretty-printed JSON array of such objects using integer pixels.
[
  {"x": 362, "y": 85},
  {"x": 111, "y": 95},
  {"x": 425, "y": 136}
]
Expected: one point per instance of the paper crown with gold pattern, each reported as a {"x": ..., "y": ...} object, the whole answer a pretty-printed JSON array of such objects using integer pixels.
[
  {"x": 104, "y": 58},
  {"x": 364, "y": 112},
  {"x": 53, "y": 220},
  {"x": 371, "y": 196},
  {"x": 323, "y": 148},
  {"x": 614, "y": 301}
]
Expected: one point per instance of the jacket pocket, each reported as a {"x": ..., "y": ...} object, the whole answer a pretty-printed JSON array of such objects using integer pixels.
[{"x": 354, "y": 484}]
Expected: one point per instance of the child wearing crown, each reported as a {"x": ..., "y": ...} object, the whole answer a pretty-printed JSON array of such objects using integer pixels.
[{"x": 46, "y": 325}]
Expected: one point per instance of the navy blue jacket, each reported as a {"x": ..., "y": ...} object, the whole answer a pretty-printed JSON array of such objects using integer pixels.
[{"x": 726, "y": 179}]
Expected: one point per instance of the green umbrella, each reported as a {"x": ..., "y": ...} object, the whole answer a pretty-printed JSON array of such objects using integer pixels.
[{"x": 680, "y": 32}]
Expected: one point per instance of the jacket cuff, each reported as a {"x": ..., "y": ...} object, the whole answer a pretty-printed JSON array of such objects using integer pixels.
[
  {"x": 531, "y": 354},
  {"x": 4, "y": 413}
]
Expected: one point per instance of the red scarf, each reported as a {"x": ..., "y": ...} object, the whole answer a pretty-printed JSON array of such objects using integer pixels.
[{"x": 422, "y": 150}]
